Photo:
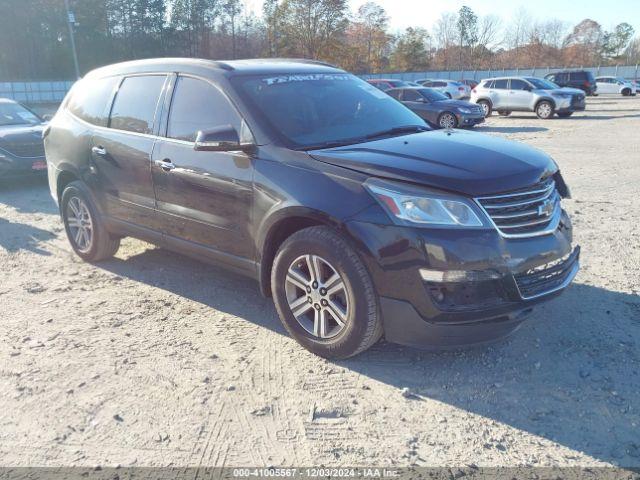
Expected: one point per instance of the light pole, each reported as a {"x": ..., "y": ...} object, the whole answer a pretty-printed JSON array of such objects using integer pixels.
[{"x": 70, "y": 22}]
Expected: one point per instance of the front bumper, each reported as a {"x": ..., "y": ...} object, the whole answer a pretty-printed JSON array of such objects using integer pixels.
[
  {"x": 469, "y": 119},
  {"x": 425, "y": 314},
  {"x": 12, "y": 167}
]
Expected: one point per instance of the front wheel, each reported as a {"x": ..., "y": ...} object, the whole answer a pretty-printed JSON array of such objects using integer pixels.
[
  {"x": 486, "y": 107},
  {"x": 324, "y": 294},
  {"x": 626, "y": 92},
  {"x": 544, "y": 110},
  {"x": 85, "y": 229},
  {"x": 447, "y": 120}
]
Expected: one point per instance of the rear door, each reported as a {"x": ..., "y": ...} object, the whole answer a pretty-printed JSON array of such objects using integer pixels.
[
  {"x": 121, "y": 153},
  {"x": 203, "y": 198},
  {"x": 500, "y": 96}
]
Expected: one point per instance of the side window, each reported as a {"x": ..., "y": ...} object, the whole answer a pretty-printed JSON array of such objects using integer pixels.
[
  {"x": 198, "y": 105},
  {"x": 395, "y": 94},
  {"x": 439, "y": 84},
  {"x": 428, "y": 84},
  {"x": 517, "y": 84},
  {"x": 501, "y": 83},
  {"x": 90, "y": 97},
  {"x": 411, "y": 96},
  {"x": 488, "y": 84},
  {"x": 135, "y": 105}
]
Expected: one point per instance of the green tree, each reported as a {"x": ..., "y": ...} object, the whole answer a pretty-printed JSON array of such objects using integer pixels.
[{"x": 411, "y": 52}]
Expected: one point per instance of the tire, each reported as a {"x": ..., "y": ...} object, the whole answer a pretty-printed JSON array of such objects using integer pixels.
[
  {"x": 504, "y": 113},
  {"x": 447, "y": 120},
  {"x": 565, "y": 114},
  {"x": 626, "y": 92},
  {"x": 77, "y": 206},
  {"x": 544, "y": 110},
  {"x": 357, "y": 302},
  {"x": 486, "y": 107}
]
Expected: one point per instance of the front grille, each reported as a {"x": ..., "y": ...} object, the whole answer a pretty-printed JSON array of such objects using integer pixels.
[
  {"x": 526, "y": 212},
  {"x": 26, "y": 150},
  {"x": 549, "y": 277}
]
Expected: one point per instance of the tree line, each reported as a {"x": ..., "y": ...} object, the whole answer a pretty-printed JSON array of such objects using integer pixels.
[{"x": 35, "y": 39}]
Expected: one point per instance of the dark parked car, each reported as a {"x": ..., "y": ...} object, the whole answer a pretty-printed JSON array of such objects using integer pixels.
[
  {"x": 438, "y": 109},
  {"x": 582, "y": 79},
  {"x": 21, "y": 147},
  {"x": 356, "y": 217},
  {"x": 385, "y": 84}
]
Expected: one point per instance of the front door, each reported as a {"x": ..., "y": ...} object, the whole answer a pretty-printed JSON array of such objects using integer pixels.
[
  {"x": 121, "y": 153},
  {"x": 203, "y": 199},
  {"x": 520, "y": 98}
]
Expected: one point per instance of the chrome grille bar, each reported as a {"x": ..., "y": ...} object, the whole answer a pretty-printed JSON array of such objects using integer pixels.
[{"x": 524, "y": 212}]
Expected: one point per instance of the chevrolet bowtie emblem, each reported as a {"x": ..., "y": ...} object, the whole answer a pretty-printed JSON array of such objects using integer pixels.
[{"x": 546, "y": 208}]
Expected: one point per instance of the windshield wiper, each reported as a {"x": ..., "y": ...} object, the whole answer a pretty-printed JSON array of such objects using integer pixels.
[
  {"x": 397, "y": 131},
  {"x": 333, "y": 143}
]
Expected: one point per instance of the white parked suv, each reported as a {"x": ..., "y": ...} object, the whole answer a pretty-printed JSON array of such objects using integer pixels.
[
  {"x": 615, "y": 85},
  {"x": 452, "y": 89},
  {"x": 527, "y": 94}
]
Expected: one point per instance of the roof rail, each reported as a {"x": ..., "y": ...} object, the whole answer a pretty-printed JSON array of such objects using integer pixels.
[{"x": 303, "y": 60}]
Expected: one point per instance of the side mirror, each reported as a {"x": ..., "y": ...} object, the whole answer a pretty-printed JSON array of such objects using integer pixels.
[{"x": 220, "y": 139}]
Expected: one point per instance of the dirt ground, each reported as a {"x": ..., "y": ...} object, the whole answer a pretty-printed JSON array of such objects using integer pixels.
[{"x": 152, "y": 359}]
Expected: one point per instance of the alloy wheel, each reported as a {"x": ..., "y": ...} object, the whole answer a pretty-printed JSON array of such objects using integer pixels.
[
  {"x": 80, "y": 224},
  {"x": 447, "y": 120},
  {"x": 485, "y": 108},
  {"x": 544, "y": 110},
  {"x": 317, "y": 296}
]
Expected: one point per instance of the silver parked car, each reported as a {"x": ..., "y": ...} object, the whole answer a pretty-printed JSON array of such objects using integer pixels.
[
  {"x": 527, "y": 94},
  {"x": 453, "y": 90}
]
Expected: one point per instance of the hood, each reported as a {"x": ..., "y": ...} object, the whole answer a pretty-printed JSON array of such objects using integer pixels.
[
  {"x": 22, "y": 140},
  {"x": 565, "y": 90},
  {"x": 465, "y": 162},
  {"x": 455, "y": 104}
]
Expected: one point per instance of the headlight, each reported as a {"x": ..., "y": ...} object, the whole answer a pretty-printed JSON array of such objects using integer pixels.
[
  {"x": 464, "y": 110},
  {"x": 408, "y": 205}
]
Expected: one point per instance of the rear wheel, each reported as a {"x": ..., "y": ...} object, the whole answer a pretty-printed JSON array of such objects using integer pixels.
[
  {"x": 626, "y": 92},
  {"x": 85, "y": 229},
  {"x": 544, "y": 110},
  {"x": 486, "y": 107},
  {"x": 324, "y": 294},
  {"x": 447, "y": 120}
]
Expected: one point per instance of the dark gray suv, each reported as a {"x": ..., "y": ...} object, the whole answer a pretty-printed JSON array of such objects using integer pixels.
[{"x": 356, "y": 217}]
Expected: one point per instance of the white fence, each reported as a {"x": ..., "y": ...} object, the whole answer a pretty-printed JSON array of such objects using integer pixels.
[
  {"x": 627, "y": 71},
  {"x": 54, "y": 91},
  {"x": 35, "y": 92}
]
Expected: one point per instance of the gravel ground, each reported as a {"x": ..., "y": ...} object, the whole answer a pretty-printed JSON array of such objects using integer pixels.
[{"x": 154, "y": 359}]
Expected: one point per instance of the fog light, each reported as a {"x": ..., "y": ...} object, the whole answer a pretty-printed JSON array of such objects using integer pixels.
[{"x": 453, "y": 276}]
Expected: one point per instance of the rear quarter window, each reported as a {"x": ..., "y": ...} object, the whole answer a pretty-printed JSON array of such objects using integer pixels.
[
  {"x": 134, "y": 107},
  {"x": 90, "y": 99}
]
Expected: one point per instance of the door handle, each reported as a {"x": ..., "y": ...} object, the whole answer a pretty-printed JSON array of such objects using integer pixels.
[
  {"x": 99, "y": 150},
  {"x": 166, "y": 164}
]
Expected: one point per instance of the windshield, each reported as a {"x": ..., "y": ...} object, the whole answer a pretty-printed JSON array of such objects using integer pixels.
[
  {"x": 314, "y": 110},
  {"x": 16, "y": 114},
  {"x": 542, "y": 83},
  {"x": 432, "y": 95}
]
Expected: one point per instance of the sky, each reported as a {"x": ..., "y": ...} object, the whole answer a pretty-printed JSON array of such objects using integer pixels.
[{"x": 424, "y": 13}]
